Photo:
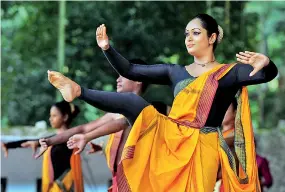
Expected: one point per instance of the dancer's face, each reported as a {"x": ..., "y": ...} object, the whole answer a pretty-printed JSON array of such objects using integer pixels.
[
  {"x": 229, "y": 116},
  {"x": 126, "y": 85},
  {"x": 56, "y": 118},
  {"x": 196, "y": 39}
]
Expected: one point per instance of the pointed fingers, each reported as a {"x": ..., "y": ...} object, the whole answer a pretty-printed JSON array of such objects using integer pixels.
[
  {"x": 242, "y": 61},
  {"x": 104, "y": 31},
  {"x": 101, "y": 30},
  {"x": 244, "y": 54},
  {"x": 250, "y": 53},
  {"x": 40, "y": 153},
  {"x": 5, "y": 152},
  {"x": 242, "y": 57}
]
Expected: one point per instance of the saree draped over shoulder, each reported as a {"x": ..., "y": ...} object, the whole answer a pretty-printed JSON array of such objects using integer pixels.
[
  {"x": 70, "y": 181},
  {"x": 178, "y": 153}
]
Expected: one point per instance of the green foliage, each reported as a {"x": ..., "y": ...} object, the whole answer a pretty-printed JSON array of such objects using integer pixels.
[{"x": 152, "y": 31}]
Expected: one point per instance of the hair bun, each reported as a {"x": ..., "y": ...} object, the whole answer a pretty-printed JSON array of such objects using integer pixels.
[
  {"x": 74, "y": 110},
  {"x": 221, "y": 34}
]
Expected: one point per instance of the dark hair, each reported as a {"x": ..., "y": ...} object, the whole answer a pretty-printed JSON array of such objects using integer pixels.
[
  {"x": 210, "y": 24},
  {"x": 140, "y": 62},
  {"x": 160, "y": 107},
  {"x": 67, "y": 109}
]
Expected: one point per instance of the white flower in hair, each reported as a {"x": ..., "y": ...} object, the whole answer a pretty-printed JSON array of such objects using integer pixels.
[{"x": 221, "y": 34}]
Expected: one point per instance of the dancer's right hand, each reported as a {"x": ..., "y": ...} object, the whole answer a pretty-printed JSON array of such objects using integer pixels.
[
  {"x": 77, "y": 141},
  {"x": 43, "y": 148},
  {"x": 5, "y": 149},
  {"x": 102, "y": 38},
  {"x": 31, "y": 144}
]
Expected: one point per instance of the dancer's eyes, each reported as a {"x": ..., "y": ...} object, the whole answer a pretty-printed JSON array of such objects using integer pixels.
[{"x": 196, "y": 33}]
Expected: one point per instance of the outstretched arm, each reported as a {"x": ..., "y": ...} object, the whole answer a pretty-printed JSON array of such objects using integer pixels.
[
  {"x": 80, "y": 140},
  {"x": 156, "y": 74},
  {"x": 63, "y": 137},
  {"x": 107, "y": 129},
  {"x": 33, "y": 144}
]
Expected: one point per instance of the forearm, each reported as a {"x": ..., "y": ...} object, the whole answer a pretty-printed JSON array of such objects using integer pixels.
[
  {"x": 88, "y": 127},
  {"x": 15, "y": 144},
  {"x": 63, "y": 137},
  {"x": 106, "y": 129}
]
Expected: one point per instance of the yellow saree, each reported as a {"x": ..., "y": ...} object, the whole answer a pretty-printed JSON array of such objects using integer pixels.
[
  {"x": 111, "y": 153},
  {"x": 177, "y": 153},
  {"x": 71, "y": 180}
]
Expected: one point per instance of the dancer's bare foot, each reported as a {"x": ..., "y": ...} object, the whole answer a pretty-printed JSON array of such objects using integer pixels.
[{"x": 68, "y": 88}]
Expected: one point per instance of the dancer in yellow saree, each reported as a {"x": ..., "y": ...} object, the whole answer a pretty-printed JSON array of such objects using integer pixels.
[
  {"x": 182, "y": 151},
  {"x": 115, "y": 143},
  {"x": 70, "y": 180},
  {"x": 61, "y": 168}
]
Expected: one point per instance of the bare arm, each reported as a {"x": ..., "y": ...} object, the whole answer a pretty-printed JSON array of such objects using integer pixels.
[
  {"x": 63, "y": 137},
  {"x": 80, "y": 140},
  {"x": 108, "y": 128}
]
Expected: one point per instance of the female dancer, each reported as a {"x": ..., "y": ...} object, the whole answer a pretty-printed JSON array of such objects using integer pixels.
[
  {"x": 182, "y": 151},
  {"x": 61, "y": 168}
]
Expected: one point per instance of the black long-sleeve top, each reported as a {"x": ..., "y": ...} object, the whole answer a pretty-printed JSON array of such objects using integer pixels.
[
  {"x": 60, "y": 156},
  {"x": 177, "y": 77}
]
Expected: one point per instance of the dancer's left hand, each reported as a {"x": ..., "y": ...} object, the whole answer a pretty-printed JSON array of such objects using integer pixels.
[
  {"x": 256, "y": 60},
  {"x": 5, "y": 149},
  {"x": 77, "y": 141}
]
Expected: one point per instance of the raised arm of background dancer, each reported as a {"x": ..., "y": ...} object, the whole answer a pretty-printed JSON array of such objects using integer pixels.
[
  {"x": 85, "y": 128},
  {"x": 263, "y": 69},
  {"x": 80, "y": 140}
]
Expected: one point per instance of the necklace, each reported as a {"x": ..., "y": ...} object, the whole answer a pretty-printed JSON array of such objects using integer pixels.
[{"x": 204, "y": 64}]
